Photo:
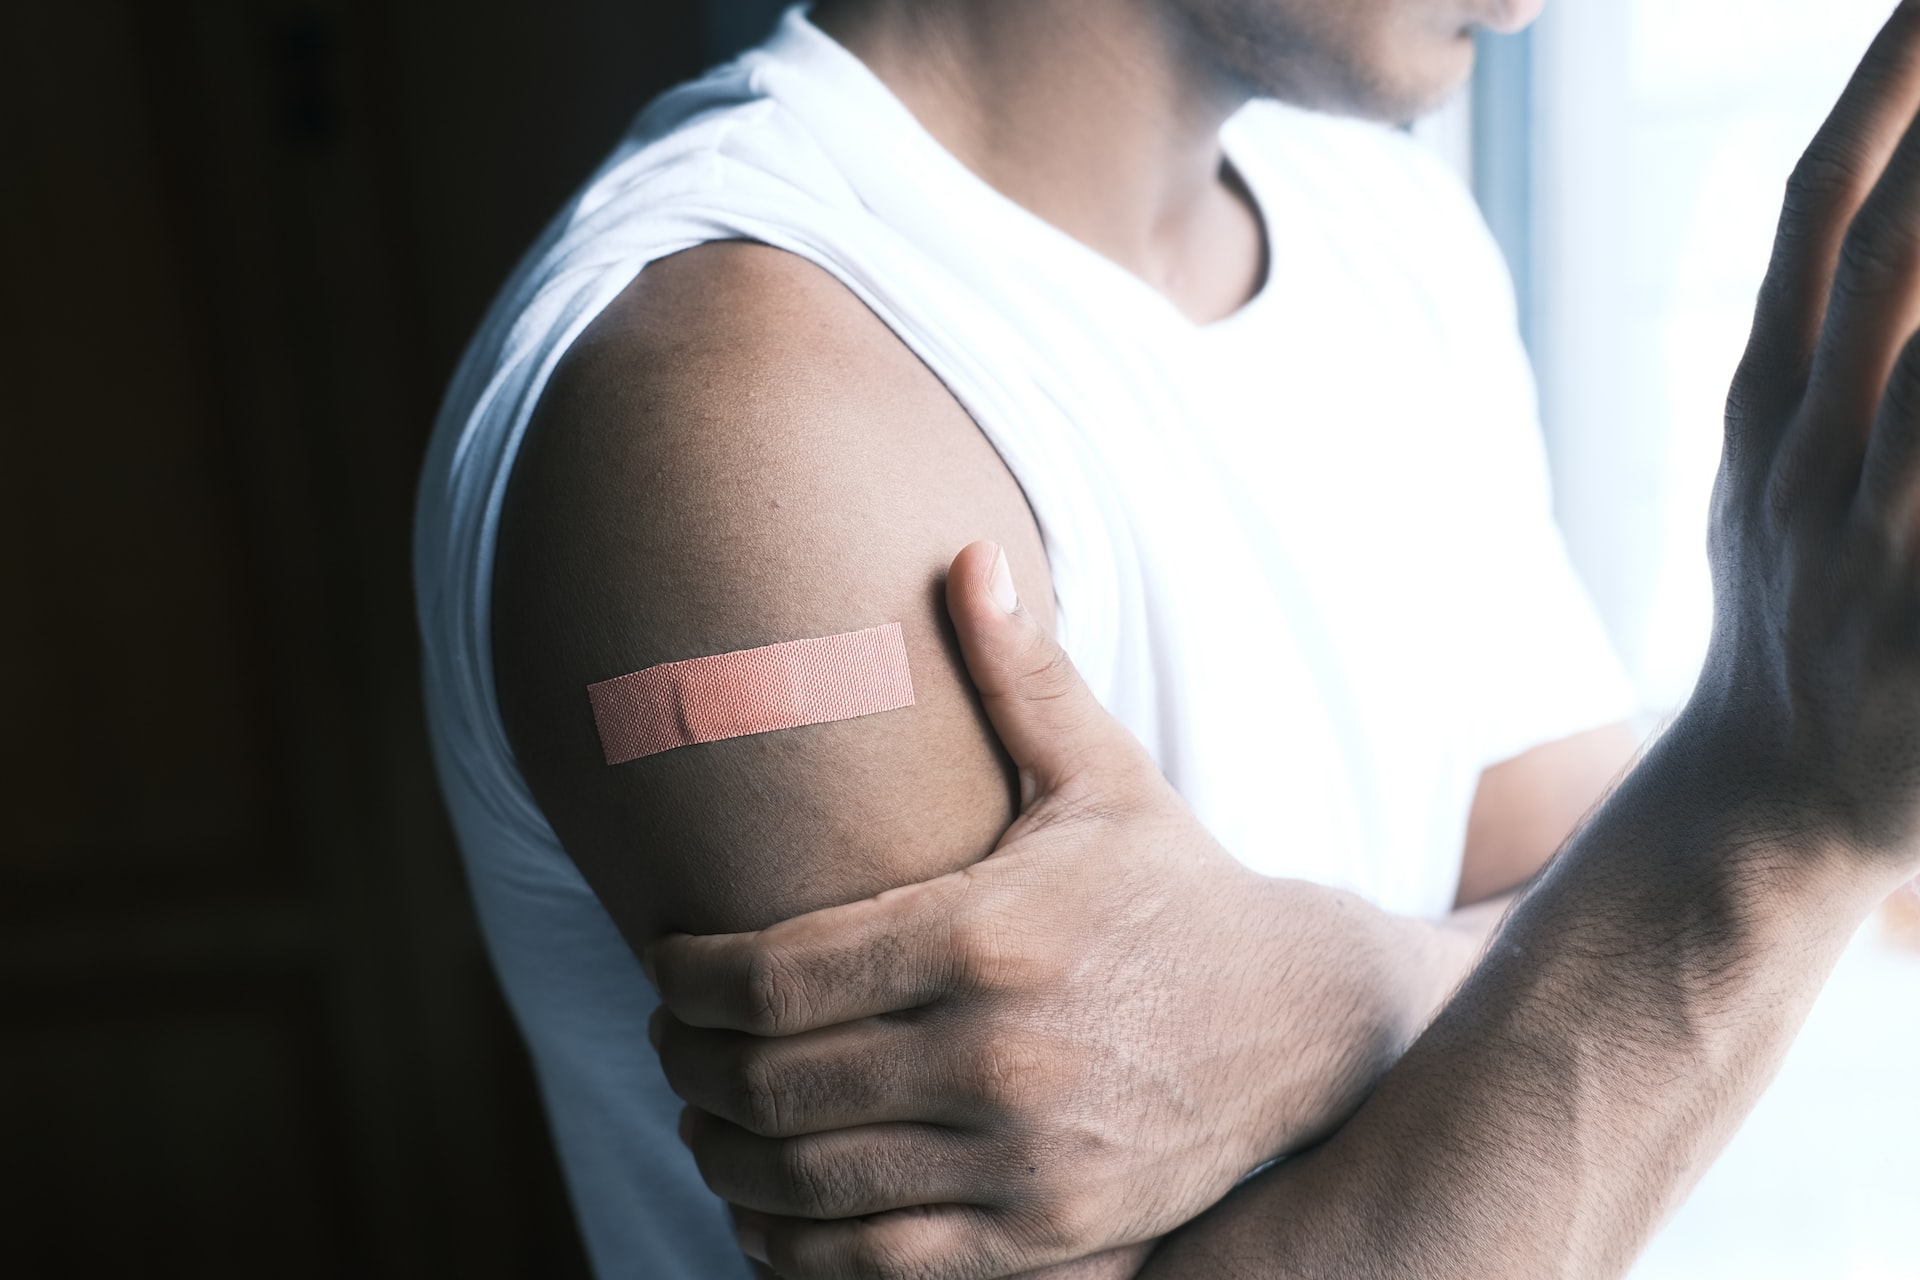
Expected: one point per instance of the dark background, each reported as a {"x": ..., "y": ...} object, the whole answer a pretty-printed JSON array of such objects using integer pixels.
[{"x": 248, "y": 1027}]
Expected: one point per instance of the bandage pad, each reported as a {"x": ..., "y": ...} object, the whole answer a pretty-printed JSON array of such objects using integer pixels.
[{"x": 731, "y": 695}]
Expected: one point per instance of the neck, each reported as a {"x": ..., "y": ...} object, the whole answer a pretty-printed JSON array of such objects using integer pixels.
[{"x": 1101, "y": 116}]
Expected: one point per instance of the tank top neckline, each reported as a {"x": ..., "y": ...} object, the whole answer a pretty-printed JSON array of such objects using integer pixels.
[{"x": 800, "y": 45}]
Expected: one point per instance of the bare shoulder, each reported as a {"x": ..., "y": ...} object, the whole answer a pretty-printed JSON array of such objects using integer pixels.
[{"x": 737, "y": 452}]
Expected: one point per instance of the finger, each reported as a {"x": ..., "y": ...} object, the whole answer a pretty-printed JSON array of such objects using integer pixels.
[
  {"x": 1890, "y": 476},
  {"x": 1827, "y": 189},
  {"x": 931, "y": 1242},
  {"x": 860, "y": 1073},
  {"x": 1875, "y": 305},
  {"x": 1048, "y": 720},
  {"x": 845, "y": 1173},
  {"x": 900, "y": 950}
]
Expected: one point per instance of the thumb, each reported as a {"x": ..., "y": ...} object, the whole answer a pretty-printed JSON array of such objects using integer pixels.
[{"x": 1048, "y": 720}]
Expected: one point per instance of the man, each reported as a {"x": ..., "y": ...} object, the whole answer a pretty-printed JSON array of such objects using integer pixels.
[{"x": 1235, "y": 388}]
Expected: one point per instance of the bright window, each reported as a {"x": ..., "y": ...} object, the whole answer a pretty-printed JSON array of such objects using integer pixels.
[{"x": 1663, "y": 134}]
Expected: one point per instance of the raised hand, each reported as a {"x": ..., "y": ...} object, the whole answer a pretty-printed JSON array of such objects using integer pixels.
[
  {"x": 1641, "y": 994},
  {"x": 1815, "y": 662},
  {"x": 1079, "y": 1043}
]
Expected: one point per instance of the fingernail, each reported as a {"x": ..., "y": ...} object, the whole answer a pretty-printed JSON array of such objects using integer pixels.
[
  {"x": 653, "y": 1027},
  {"x": 753, "y": 1241},
  {"x": 1000, "y": 583}
]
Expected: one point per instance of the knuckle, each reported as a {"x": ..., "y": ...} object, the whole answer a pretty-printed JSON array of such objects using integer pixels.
[
  {"x": 1780, "y": 500},
  {"x": 979, "y": 953},
  {"x": 1049, "y": 672},
  {"x": 771, "y": 994},
  {"x": 1004, "y": 1074},
  {"x": 809, "y": 1182},
  {"x": 757, "y": 1095},
  {"x": 1877, "y": 254},
  {"x": 1819, "y": 181}
]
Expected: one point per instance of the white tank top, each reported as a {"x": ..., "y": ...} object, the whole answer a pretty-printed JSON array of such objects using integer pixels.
[{"x": 1305, "y": 553}]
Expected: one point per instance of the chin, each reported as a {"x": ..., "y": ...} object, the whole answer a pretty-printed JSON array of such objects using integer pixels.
[
  {"x": 1443, "y": 75},
  {"x": 1389, "y": 60},
  {"x": 1510, "y": 16},
  {"x": 1402, "y": 89}
]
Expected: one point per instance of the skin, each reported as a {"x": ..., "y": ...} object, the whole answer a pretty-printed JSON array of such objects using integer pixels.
[
  {"x": 914, "y": 1050},
  {"x": 1103, "y": 116},
  {"x": 760, "y": 525},
  {"x": 1641, "y": 994},
  {"x": 803, "y": 475}
]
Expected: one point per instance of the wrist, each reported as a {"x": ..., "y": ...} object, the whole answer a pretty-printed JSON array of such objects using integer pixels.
[
  {"x": 1833, "y": 803},
  {"x": 1752, "y": 790},
  {"x": 1349, "y": 987},
  {"x": 1716, "y": 838}
]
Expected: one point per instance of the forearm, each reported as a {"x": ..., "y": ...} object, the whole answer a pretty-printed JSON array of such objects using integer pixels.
[{"x": 1631, "y": 1011}]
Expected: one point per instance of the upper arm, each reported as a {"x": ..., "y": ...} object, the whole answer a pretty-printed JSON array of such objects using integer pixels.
[
  {"x": 1526, "y": 807},
  {"x": 734, "y": 454}
]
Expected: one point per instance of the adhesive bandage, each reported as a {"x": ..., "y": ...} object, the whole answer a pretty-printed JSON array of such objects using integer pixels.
[{"x": 730, "y": 695}]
